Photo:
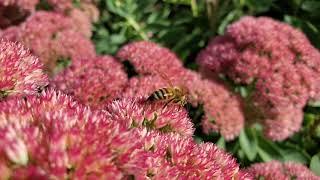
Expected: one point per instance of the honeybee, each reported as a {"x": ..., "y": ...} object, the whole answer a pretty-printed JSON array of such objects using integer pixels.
[{"x": 171, "y": 94}]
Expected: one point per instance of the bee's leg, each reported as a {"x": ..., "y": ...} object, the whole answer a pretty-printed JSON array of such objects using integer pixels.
[{"x": 169, "y": 101}]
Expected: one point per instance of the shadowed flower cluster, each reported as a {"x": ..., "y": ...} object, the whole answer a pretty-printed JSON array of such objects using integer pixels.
[
  {"x": 52, "y": 136},
  {"x": 277, "y": 60},
  {"x": 92, "y": 81},
  {"x": 277, "y": 170},
  {"x": 15, "y": 11},
  {"x": 20, "y": 72},
  {"x": 159, "y": 67}
]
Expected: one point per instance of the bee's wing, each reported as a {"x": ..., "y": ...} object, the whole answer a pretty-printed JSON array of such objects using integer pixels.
[{"x": 164, "y": 77}]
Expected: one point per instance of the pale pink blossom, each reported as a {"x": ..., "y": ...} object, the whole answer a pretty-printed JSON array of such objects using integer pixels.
[
  {"x": 93, "y": 81},
  {"x": 276, "y": 170},
  {"x": 150, "y": 58},
  {"x": 53, "y": 38},
  {"x": 278, "y": 59}
]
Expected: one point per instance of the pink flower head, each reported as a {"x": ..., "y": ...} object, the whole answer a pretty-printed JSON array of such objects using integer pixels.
[
  {"x": 179, "y": 157},
  {"x": 223, "y": 110},
  {"x": 137, "y": 112},
  {"x": 10, "y": 34},
  {"x": 276, "y": 57},
  {"x": 82, "y": 20},
  {"x": 54, "y": 38},
  {"x": 52, "y": 136},
  {"x": 93, "y": 81},
  {"x": 20, "y": 72},
  {"x": 65, "y": 6},
  {"x": 277, "y": 170},
  {"x": 150, "y": 58},
  {"x": 91, "y": 11},
  {"x": 284, "y": 124},
  {"x": 13, "y": 12}
]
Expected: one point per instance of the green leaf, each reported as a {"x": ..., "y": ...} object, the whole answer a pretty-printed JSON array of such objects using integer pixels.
[
  {"x": 292, "y": 155},
  {"x": 187, "y": 2},
  {"x": 315, "y": 164},
  {"x": 248, "y": 144},
  {"x": 268, "y": 149},
  {"x": 314, "y": 103},
  {"x": 265, "y": 156},
  {"x": 232, "y": 16},
  {"x": 311, "y": 6},
  {"x": 258, "y": 6},
  {"x": 221, "y": 143}
]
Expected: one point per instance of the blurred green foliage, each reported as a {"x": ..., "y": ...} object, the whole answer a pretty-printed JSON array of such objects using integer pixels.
[{"x": 186, "y": 26}]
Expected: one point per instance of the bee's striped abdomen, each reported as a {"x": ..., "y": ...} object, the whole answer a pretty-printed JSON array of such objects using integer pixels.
[{"x": 161, "y": 94}]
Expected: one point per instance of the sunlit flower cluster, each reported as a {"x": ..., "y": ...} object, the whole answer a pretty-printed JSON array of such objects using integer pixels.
[
  {"x": 93, "y": 81},
  {"x": 20, "y": 72},
  {"x": 277, "y": 170},
  {"x": 137, "y": 112},
  {"x": 52, "y": 136},
  {"x": 159, "y": 67},
  {"x": 278, "y": 60}
]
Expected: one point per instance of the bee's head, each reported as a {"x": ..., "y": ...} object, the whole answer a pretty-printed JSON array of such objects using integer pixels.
[{"x": 184, "y": 100}]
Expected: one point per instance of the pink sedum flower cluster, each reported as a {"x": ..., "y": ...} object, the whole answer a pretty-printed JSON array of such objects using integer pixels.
[
  {"x": 55, "y": 137},
  {"x": 66, "y": 6},
  {"x": 150, "y": 58},
  {"x": 278, "y": 59},
  {"x": 223, "y": 110},
  {"x": 93, "y": 81},
  {"x": 51, "y": 37},
  {"x": 137, "y": 112},
  {"x": 277, "y": 170},
  {"x": 14, "y": 12},
  {"x": 159, "y": 67},
  {"x": 20, "y": 72},
  {"x": 177, "y": 157},
  {"x": 52, "y": 136}
]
